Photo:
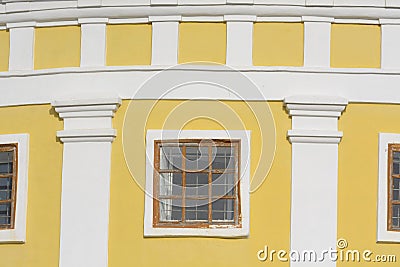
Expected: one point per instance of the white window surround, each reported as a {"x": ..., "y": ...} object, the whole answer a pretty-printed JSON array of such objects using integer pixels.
[
  {"x": 18, "y": 234},
  {"x": 383, "y": 235},
  {"x": 215, "y": 231}
]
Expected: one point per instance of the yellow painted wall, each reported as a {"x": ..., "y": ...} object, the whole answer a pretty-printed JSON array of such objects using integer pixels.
[
  {"x": 355, "y": 46},
  {"x": 44, "y": 186},
  {"x": 202, "y": 42},
  {"x": 358, "y": 177},
  {"x": 278, "y": 44},
  {"x": 129, "y": 44},
  {"x": 57, "y": 47},
  {"x": 270, "y": 204},
  {"x": 4, "y": 50}
]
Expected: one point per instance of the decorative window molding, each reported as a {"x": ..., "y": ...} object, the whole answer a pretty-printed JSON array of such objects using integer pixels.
[
  {"x": 383, "y": 233},
  {"x": 217, "y": 230},
  {"x": 17, "y": 231}
]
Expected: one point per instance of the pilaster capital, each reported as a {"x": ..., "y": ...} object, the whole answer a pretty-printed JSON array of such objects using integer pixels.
[
  {"x": 314, "y": 118},
  {"x": 87, "y": 120}
]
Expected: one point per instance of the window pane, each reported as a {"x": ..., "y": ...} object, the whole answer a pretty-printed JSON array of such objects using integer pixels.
[
  {"x": 223, "y": 209},
  {"x": 396, "y": 156},
  {"x": 396, "y": 167},
  {"x": 224, "y": 158},
  {"x": 196, "y": 184},
  {"x": 5, "y": 214},
  {"x": 197, "y": 158},
  {"x": 6, "y": 162},
  {"x": 5, "y": 188},
  {"x": 170, "y": 184},
  {"x": 395, "y": 223},
  {"x": 196, "y": 210},
  {"x": 396, "y": 183},
  {"x": 395, "y": 216},
  {"x": 170, "y": 158},
  {"x": 396, "y": 195},
  {"x": 223, "y": 184},
  {"x": 170, "y": 210}
]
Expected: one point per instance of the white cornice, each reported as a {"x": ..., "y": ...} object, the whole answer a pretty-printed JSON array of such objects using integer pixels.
[
  {"x": 54, "y": 11},
  {"x": 274, "y": 83}
]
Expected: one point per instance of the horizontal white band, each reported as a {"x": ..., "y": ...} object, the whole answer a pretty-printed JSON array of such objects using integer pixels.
[
  {"x": 128, "y": 21},
  {"x": 275, "y": 83},
  {"x": 357, "y": 21}
]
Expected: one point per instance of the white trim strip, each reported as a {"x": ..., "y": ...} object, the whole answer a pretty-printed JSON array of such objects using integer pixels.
[
  {"x": 281, "y": 2},
  {"x": 24, "y": 24},
  {"x": 361, "y": 3},
  {"x": 57, "y": 23},
  {"x": 278, "y": 19},
  {"x": 93, "y": 20},
  {"x": 389, "y": 21},
  {"x": 164, "y": 18},
  {"x": 239, "y": 18},
  {"x": 203, "y": 18},
  {"x": 316, "y": 19},
  {"x": 356, "y": 21},
  {"x": 129, "y": 21}
]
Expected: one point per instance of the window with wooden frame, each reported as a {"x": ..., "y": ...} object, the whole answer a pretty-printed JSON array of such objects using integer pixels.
[
  {"x": 196, "y": 183},
  {"x": 393, "y": 187},
  {"x": 388, "y": 228},
  {"x": 8, "y": 185}
]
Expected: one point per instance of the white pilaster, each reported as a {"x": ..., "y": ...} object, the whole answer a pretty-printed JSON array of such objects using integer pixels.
[
  {"x": 165, "y": 40},
  {"x": 239, "y": 47},
  {"x": 317, "y": 41},
  {"x": 22, "y": 36},
  {"x": 93, "y": 42},
  {"x": 390, "y": 43},
  {"x": 87, "y": 138},
  {"x": 315, "y": 138}
]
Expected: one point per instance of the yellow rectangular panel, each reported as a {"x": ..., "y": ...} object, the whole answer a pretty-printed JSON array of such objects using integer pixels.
[
  {"x": 129, "y": 44},
  {"x": 204, "y": 42},
  {"x": 355, "y": 46},
  {"x": 126, "y": 234},
  {"x": 44, "y": 186},
  {"x": 358, "y": 179},
  {"x": 57, "y": 47},
  {"x": 4, "y": 50},
  {"x": 278, "y": 44}
]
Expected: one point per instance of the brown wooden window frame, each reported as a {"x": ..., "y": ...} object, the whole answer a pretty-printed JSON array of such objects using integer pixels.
[
  {"x": 183, "y": 143},
  {"x": 14, "y": 175}
]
